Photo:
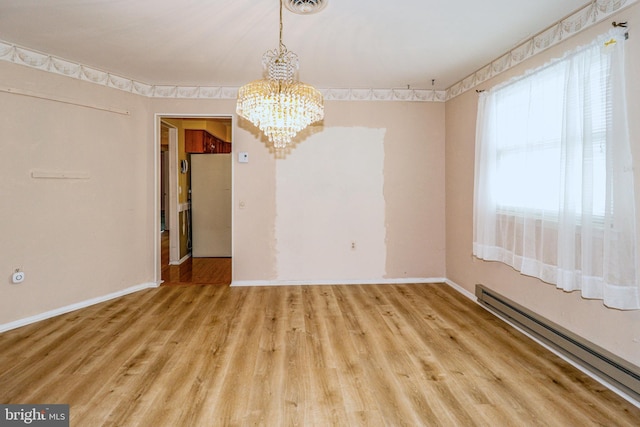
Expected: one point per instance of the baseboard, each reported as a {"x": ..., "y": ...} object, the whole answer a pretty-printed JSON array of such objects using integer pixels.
[
  {"x": 462, "y": 290},
  {"x": 62, "y": 310},
  {"x": 401, "y": 281},
  {"x": 181, "y": 260}
]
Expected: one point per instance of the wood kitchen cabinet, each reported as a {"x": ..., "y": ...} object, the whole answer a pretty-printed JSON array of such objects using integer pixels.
[
  {"x": 223, "y": 147},
  {"x": 201, "y": 141}
]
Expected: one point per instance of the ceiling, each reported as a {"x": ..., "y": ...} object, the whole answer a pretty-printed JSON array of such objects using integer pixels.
[{"x": 350, "y": 44}]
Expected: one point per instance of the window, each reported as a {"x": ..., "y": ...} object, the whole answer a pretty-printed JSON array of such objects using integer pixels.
[
  {"x": 554, "y": 193},
  {"x": 528, "y": 142}
]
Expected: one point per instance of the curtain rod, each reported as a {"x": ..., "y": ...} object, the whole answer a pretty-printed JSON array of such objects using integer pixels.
[
  {"x": 621, "y": 25},
  {"x": 614, "y": 24}
]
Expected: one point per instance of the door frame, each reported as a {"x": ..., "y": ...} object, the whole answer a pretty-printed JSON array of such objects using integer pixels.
[
  {"x": 174, "y": 236},
  {"x": 164, "y": 191},
  {"x": 174, "y": 211}
]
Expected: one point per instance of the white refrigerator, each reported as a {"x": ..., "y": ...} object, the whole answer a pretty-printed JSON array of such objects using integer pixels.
[{"x": 210, "y": 205}]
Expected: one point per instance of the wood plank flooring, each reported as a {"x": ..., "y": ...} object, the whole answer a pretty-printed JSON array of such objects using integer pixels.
[
  {"x": 198, "y": 271},
  {"x": 210, "y": 271},
  {"x": 416, "y": 355}
]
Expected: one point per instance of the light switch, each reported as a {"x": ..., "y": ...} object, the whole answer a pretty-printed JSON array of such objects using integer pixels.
[{"x": 243, "y": 157}]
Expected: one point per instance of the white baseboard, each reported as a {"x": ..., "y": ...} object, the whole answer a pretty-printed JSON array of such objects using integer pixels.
[
  {"x": 401, "y": 281},
  {"x": 62, "y": 310},
  {"x": 462, "y": 290},
  {"x": 181, "y": 260}
]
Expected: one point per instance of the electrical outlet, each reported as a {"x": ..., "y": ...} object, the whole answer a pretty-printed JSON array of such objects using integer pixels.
[{"x": 353, "y": 246}]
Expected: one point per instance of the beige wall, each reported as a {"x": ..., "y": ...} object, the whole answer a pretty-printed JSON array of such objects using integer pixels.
[
  {"x": 74, "y": 239},
  {"x": 413, "y": 192},
  {"x": 371, "y": 175},
  {"x": 615, "y": 330},
  {"x": 413, "y": 174}
]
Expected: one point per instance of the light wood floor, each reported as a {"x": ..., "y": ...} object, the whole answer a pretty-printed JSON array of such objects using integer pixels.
[{"x": 300, "y": 355}]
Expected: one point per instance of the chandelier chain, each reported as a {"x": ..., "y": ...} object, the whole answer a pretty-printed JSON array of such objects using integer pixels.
[{"x": 283, "y": 48}]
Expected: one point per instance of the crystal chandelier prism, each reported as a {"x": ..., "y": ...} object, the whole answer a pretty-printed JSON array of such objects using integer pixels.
[{"x": 279, "y": 105}]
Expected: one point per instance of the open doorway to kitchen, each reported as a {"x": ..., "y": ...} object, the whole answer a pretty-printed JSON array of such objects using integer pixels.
[{"x": 194, "y": 182}]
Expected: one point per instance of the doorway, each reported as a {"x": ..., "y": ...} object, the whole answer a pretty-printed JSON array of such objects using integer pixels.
[{"x": 175, "y": 263}]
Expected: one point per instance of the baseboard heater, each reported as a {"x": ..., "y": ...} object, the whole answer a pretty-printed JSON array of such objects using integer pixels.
[{"x": 618, "y": 372}]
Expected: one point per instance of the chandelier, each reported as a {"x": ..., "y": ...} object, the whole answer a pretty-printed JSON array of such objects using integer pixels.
[{"x": 279, "y": 105}]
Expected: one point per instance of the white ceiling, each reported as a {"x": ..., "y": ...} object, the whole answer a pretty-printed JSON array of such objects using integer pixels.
[{"x": 350, "y": 44}]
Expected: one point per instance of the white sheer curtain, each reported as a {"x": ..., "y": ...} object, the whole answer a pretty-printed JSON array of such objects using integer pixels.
[{"x": 554, "y": 193}]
